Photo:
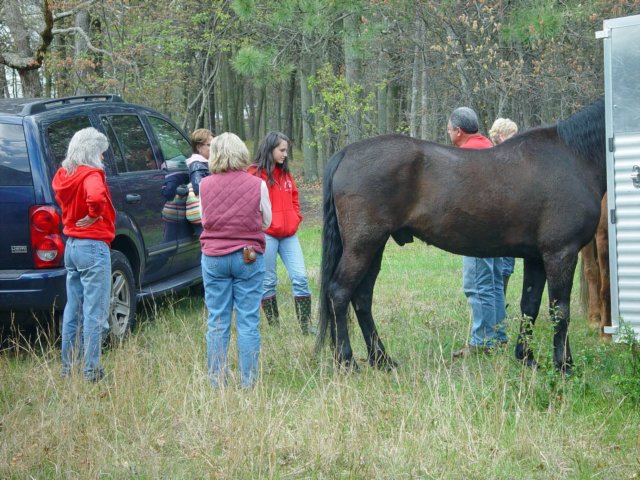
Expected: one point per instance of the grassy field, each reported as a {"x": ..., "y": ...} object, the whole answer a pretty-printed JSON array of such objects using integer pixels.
[{"x": 155, "y": 415}]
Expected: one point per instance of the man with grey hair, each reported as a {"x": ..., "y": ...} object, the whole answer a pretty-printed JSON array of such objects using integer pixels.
[{"x": 481, "y": 277}]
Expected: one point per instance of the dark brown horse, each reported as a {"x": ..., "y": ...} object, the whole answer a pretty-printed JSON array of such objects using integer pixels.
[{"x": 536, "y": 196}]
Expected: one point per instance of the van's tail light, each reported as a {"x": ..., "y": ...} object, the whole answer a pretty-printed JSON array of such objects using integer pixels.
[{"x": 46, "y": 240}]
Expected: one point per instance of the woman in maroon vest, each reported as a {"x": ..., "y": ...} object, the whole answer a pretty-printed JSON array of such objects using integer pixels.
[{"x": 235, "y": 210}]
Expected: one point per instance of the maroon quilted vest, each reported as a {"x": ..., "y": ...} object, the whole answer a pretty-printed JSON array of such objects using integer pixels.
[{"x": 231, "y": 216}]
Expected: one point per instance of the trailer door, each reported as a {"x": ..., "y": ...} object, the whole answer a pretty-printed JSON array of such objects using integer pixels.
[{"x": 622, "y": 106}]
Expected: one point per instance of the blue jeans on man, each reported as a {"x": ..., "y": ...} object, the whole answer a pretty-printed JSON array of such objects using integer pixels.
[
  {"x": 484, "y": 288},
  {"x": 88, "y": 265},
  {"x": 508, "y": 266},
  {"x": 231, "y": 283}
]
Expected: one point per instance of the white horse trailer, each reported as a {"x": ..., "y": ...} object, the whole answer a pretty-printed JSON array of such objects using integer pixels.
[{"x": 621, "y": 38}]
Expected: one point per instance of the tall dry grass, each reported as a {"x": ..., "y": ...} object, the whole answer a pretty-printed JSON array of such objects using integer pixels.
[{"x": 156, "y": 416}]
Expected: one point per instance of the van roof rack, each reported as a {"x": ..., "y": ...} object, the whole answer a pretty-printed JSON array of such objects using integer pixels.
[{"x": 44, "y": 105}]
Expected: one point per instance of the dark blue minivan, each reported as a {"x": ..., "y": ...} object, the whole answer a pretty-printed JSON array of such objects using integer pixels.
[{"x": 152, "y": 253}]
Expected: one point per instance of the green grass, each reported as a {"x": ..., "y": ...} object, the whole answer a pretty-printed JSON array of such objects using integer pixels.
[{"x": 155, "y": 415}]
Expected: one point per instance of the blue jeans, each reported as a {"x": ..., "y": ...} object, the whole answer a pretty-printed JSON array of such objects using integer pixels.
[
  {"x": 88, "y": 265},
  {"x": 484, "y": 288},
  {"x": 508, "y": 266},
  {"x": 230, "y": 283},
  {"x": 291, "y": 255}
]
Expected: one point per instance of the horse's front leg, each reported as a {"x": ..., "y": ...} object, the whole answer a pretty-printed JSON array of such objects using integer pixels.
[
  {"x": 361, "y": 301},
  {"x": 532, "y": 288},
  {"x": 560, "y": 269},
  {"x": 562, "y": 359}
]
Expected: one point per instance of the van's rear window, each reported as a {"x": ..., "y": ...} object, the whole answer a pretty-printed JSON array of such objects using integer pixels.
[{"x": 14, "y": 161}]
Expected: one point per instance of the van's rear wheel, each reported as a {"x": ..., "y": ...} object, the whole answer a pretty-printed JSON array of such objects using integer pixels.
[{"x": 122, "y": 307}]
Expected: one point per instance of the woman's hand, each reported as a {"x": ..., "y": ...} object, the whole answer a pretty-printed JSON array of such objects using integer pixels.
[{"x": 87, "y": 221}]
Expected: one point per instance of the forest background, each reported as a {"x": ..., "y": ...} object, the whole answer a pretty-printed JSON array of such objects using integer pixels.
[{"x": 326, "y": 72}]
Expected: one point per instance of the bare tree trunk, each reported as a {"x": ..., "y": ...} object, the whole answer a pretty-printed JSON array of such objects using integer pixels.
[
  {"x": 291, "y": 96},
  {"x": 275, "y": 117},
  {"x": 82, "y": 22},
  {"x": 257, "y": 135},
  {"x": 415, "y": 80},
  {"x": 251, "y": 102},
  {"x": 394, "y": 106},
  {"x": 4, "y": 87},
  {"x": 24, "y": 57},
  {"x": 226, "y": 99},
  {"x": 352, "y": 75},
  {"x": 239, "y": 109},
  {"x": 309, "y": 151},
  {"x": 212, "y": 110},
  {"x": 382, "y": 92},
  {"x": 424, "y": 117},
  {"x": 31, "y": 85}
]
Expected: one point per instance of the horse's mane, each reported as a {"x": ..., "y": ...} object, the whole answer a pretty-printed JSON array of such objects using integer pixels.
[{"x": 584, "y": 132}]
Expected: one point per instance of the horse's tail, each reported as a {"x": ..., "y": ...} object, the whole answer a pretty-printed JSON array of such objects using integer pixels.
[{"x": 331, "y": 248}]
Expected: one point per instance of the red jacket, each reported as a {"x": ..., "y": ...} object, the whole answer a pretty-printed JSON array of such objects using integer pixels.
[
  {"x": 285, "y": 206},
  {"x": 477, "y": 141},
  {"x": 85, "y": 193}
]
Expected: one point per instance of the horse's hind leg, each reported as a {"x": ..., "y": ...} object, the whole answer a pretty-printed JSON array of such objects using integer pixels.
[
  {"x": 602, "y": 248},
  {"x": 532, "y": 288},
  {"x": 361, "y": 301},
  {"x": 560, "y": 268},
  {"x": 591, "y": 286},
  {"x": 352, "y": 268},
  {"x": 339, "y": 296}
]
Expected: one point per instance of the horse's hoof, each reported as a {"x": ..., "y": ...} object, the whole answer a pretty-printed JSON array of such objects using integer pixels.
[
  {"x": 566, "y": 370},
  {"x": 605, "y": 337},
  {"x": 527, "y": 359},
  {"x": 384, "y": 363},
  {"x": 348, "y": 366},
  {"x": 525, "y": 356}
]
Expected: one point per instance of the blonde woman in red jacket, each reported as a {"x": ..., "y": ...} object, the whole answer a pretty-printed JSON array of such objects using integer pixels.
[
  {"x": 272, "y": 165},
  {"x": 88, "y": 217}
]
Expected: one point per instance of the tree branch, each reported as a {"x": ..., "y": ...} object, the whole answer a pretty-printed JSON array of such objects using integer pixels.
[
  {"x": 73, "y": 11},
  {"x": 90, "y": 46},
  {"x": 83, "y": 34}
]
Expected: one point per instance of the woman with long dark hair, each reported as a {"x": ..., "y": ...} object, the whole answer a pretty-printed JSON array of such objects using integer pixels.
[{"x": 272, "y": 165}]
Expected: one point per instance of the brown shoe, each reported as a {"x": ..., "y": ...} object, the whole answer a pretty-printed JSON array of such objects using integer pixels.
[
  {"x": 469, "y": 350},
  {"x": 462, "y": 353}
]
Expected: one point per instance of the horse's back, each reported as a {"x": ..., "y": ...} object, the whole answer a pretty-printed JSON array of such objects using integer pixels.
[
  {"x": 383, "y": 172},
  {"x": 383, "y": 162}
]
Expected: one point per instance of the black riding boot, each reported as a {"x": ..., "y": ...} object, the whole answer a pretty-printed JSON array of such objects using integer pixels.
[
  {"x": 270, "y": 309},
  {"x": 303, "y": 312}
]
